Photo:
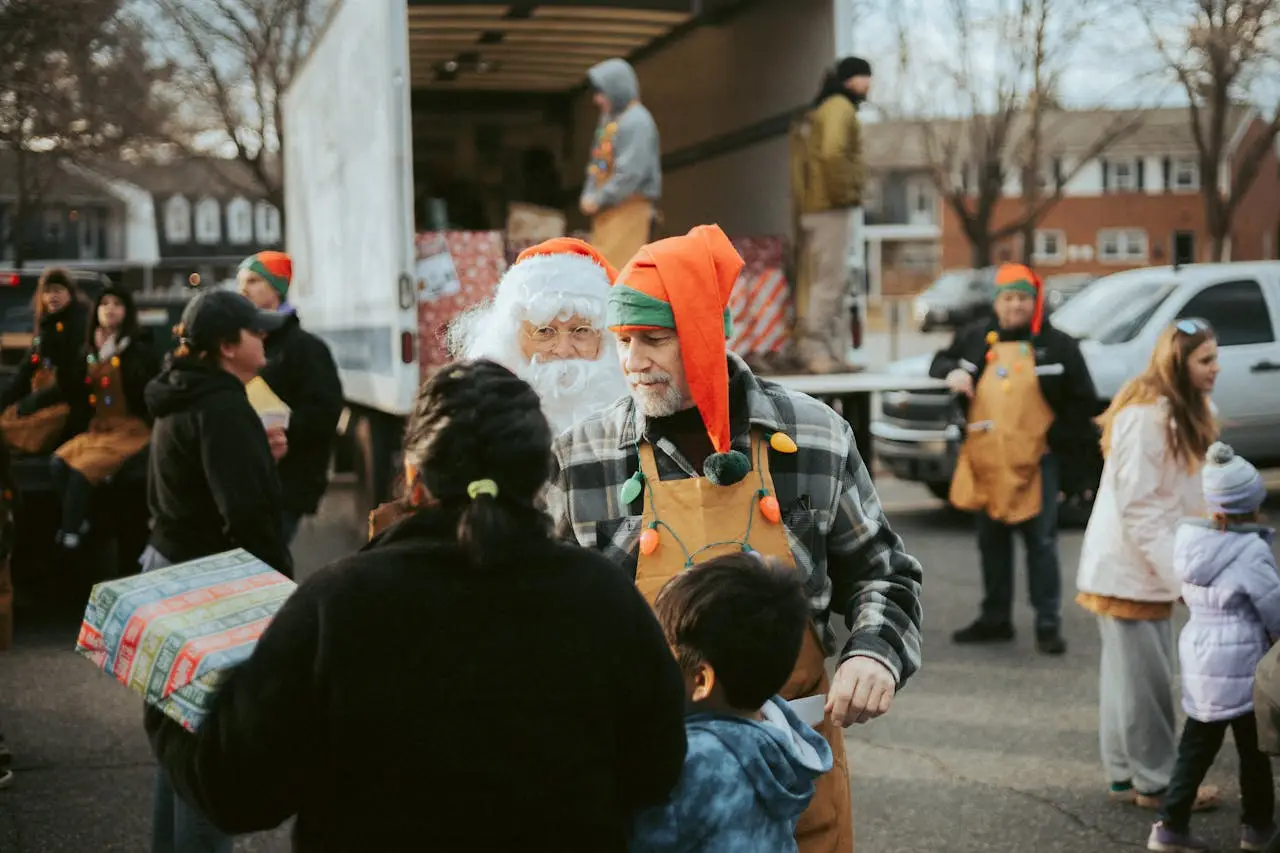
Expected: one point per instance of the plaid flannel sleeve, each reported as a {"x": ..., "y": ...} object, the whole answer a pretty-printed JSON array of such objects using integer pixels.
[{"x": 876, "y": 584}]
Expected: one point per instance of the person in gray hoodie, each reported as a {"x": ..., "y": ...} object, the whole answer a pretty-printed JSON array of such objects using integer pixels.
[
  {"x": 1230, "y": 585},
  {"x": 736, "y": 624},
  {"x": 624, "y": 173}
]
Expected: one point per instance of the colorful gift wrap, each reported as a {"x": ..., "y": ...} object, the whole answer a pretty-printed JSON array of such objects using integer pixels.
[{"x": 171, "y": 634}]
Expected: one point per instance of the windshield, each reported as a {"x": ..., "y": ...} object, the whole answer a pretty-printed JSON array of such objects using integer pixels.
[{"x": 1113, "y": 309}]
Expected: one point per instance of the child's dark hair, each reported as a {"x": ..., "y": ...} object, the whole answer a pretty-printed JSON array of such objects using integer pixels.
[
  {"x": 476, "y": 421},
  {"x": 743, "y": 616}
]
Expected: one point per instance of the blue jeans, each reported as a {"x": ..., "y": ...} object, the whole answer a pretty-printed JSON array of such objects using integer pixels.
[
  {"x": 178, "y": 828},
  {"x": 1044, "y": 577}
]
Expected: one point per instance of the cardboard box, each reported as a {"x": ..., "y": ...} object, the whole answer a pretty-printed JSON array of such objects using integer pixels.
[{"x": 170, "y": 635}]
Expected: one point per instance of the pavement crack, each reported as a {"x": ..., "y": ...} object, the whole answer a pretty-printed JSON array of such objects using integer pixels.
[{"x": 955, "y": 776}]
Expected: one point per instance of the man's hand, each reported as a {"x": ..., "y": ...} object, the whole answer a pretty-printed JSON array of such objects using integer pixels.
[
  {"x": 959, "y": 381},
  {"x": 279, "y": 442},
  {"x": 589, "y": 206},
  {"x": 862, "y": 690}
]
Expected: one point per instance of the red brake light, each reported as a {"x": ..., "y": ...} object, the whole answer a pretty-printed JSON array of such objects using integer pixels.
[
  {"x": 406, "y": 347},
  {"x": 12, "y": 280}
]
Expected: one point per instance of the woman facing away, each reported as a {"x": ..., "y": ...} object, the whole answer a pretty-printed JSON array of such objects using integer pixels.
[
  {"x": 464, "y": 682},
  {"x": 1154, "y": 435},
  {"x": 117, "y": 369}
]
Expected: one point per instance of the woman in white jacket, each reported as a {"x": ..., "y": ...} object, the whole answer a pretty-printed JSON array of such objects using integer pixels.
[{"x": 1154, "y": 437}]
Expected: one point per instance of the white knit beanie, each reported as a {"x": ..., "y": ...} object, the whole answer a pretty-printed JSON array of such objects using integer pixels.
[{"x": 1231, "y": 485}]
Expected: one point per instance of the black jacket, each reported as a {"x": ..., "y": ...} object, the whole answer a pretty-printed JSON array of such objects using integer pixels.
[
  {"x": 212, "y": 483},
  {"x": 404, "y": 700},
  {"x": 301, "y": 371},
  {"x": 1073, "y": 437},
  {"x": 59, "y": 340}
]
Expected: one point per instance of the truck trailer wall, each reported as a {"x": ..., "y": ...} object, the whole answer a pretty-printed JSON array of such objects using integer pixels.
[{"x": 720, "y": 80}]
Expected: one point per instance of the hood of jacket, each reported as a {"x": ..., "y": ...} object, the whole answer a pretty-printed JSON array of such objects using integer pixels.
[
  {"x": 1202, "y": 552},
  {"x": 184, "y": 383},
  {"x": 781, "y": 756},
  {"x": 616, "y": 79}
]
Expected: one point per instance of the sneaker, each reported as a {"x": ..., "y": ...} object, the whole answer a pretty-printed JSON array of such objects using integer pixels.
[
  {"x": 983, "y": 632},
  {"x": 1255, "y": 839},
  {"x": 1164, "y": 839},
  {"x": 1050, "y": 642}
]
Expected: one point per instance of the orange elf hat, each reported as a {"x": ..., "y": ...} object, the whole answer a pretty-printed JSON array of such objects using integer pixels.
[
  {"x": 684, "y": 283},
  {"x": 1020, "y": 277}
]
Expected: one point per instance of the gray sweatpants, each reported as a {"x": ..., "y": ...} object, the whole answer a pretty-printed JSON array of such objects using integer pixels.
[{"x": 1136, "y": 723}]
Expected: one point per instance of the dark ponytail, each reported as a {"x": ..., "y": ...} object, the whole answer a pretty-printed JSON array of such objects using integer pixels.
[{"x": 482, "y": 449}]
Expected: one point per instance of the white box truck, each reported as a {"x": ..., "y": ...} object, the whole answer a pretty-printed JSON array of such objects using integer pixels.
[{"x": 413, "y": 121}]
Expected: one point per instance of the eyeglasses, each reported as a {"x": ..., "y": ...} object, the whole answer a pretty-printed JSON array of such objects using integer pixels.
[
  {"x": 548, "y": 337},
  {"x": 1193, "y": 326}
]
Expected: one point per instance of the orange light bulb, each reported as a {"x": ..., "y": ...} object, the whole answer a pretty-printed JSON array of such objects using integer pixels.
[
  {"x": 770, "y": 510},
  {"x": 648, "y": 541}
]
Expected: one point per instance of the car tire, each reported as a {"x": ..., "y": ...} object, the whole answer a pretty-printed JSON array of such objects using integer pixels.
[{"x": 939, "y": 489}]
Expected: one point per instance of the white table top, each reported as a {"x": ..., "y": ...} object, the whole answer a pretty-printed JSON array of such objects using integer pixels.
[{"x": 820, "y": 385}]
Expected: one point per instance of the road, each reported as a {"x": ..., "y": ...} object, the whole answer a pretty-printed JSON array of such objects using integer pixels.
[{"x": 986, "y": 750}]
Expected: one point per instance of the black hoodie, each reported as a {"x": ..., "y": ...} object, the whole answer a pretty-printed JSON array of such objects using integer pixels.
[{"x": 212, "y": 484}]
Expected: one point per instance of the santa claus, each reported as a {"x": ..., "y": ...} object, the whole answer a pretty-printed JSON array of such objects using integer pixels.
[{"x": 546, "y": 324}]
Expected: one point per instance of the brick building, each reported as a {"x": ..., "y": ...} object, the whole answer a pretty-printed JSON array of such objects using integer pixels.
[{"x": 1139, "y": 203}]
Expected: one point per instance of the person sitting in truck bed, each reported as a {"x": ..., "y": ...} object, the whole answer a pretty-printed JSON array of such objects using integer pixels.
[
  {"x": 1029, "y": 402},
  {"x": 117, "y": 368},
  {"x": 41, "y": 408},
  {"x": 300, "y": 369}
]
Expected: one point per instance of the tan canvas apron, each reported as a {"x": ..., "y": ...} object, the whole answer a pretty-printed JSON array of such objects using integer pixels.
[
  {"x": 620, "y": 231},
  {"x": 115, "y": 434},
  {"x": 998, "y": 469},
  {"x": 38, "y": 432},
  {"x": 702, "y": 513}
]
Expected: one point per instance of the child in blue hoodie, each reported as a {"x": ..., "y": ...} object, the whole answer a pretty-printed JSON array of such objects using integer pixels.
[{"x": 736, "y": 624}]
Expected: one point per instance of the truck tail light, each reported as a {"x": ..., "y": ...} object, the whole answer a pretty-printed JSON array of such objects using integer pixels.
[
  {"x": 406, "y": 347},
  {"x": 12, "y": 280}
]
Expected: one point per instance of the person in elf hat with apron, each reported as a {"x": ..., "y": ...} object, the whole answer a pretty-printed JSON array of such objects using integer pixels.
[
  {"x": 117, "y": 368},
  {"x": 705, "y": 459},
  {"x": 1030, "y": 401}
]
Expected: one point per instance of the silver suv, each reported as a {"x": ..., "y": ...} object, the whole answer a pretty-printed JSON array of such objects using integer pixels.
[{"x": 1117, "y": 319}]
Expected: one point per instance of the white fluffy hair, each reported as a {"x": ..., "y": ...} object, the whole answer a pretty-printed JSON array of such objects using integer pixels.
[{"x": 540, "y": 289}]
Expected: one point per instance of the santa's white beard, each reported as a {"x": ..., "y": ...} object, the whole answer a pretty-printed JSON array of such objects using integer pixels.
[{"x": 571, "y": 389}]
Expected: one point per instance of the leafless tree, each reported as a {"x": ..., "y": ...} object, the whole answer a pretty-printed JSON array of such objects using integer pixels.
[
  {"x": 1216, "y": 50},
  {"x": 233, "y": 61},
  {"x": 75, "y": 83},
  {"x": 1008, "y": 59}
]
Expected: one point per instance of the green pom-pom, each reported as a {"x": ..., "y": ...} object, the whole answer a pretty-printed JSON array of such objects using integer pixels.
[
  {"x": 725, "y": 469},
  {"x": 631, "y": 488}
]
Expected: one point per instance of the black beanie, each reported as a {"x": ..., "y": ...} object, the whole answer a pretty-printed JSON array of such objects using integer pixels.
[{"x": 852, "y": 66}]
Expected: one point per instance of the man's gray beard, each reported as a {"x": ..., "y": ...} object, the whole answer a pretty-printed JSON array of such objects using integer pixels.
[{"x": 571, "y": 389}]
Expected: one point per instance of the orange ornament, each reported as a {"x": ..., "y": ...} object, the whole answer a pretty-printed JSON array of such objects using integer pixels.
[
  {"x": 770, "y": 510},
  {"x": 93, "y": 400},
  {"x": 648, "y": 541},
  {"x": 991, "y": 355}
]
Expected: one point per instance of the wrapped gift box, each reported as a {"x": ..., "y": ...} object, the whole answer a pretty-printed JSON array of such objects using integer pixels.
[
  {"x": 457, "y": 270},
  {"x": 760, "y": 305},
  {"x": 170, "y": 635}
]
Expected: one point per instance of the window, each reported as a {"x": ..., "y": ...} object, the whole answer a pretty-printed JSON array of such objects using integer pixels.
[
  {"x": 208, "y": 222},
  {"x": 240, "y": 222},
  {"x": 1050, "y": 246},
  {"x": 1124, "y": 176},
  {"x": 177, "y": 220},
  {"x": 1122, "y": 246},
  {"x": 267, "y": 224},
  {"x": 1237, "y": 310},
  {"x": 1186, "y": 175},
  {"x": 52, "y": 221}
]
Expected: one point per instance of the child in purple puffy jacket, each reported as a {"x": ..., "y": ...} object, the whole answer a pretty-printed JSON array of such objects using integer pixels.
[{"x": 1231, "y": 587}]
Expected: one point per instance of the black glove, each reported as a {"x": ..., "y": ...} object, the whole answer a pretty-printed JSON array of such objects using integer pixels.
[{"x": 28, "y": 405}]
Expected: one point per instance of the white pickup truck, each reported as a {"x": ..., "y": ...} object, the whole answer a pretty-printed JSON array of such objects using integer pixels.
[{"x": 1117, "y": 319}]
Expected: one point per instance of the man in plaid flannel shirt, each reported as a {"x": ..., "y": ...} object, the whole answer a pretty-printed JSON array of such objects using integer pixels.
[{"x": 693, "y": 401}]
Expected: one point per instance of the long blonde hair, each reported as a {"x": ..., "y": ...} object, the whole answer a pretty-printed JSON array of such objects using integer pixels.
[{"x": 1194, "y": 427}]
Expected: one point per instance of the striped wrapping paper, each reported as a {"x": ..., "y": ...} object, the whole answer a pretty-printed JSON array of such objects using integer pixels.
[
  {"x": 760, "y": 305},
  {"x": 171, "y": 634}
]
